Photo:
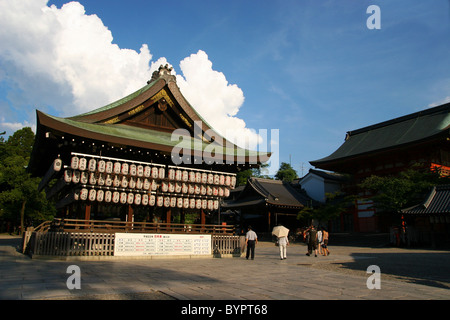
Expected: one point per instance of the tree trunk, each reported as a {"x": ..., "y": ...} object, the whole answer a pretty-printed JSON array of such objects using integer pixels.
[{"x": 22, "y": 216}]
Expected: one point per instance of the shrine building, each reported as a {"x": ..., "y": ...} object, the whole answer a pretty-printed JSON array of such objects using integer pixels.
[
  {"x": 146, "y": 157},
  {"x": 387, "y": 148}
]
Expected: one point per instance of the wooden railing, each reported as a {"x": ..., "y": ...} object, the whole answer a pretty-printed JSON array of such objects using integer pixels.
[
  {"x": 106, "y": 226},
  {"x": 102, "y": 244}
]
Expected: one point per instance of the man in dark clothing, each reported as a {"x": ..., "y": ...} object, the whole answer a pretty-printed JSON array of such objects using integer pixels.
[
  {"x": 251, "y": 239},
  {"x": 312, "y": 244}
]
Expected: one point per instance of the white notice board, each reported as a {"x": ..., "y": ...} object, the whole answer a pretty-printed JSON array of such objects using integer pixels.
[{"x": 144, "y": 244}]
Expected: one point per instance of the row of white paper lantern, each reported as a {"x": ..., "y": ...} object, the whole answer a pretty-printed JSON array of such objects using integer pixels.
[
  {"x": 154, "y": 172},
  {"x": 125, "y": 182},
  {"x": 117, "y": 197}
]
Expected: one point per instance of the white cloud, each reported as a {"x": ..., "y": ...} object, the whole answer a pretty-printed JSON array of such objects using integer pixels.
[
  {"x": 64, "y": 59},
  {"x": 214, "y": 98}
]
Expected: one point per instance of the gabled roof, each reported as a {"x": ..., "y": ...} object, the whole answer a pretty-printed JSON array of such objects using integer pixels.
[
  {"x": 144, "y": 119},
  {"x": 328, "y": 176},
  {"x": 410, "y": 129},
  {"x": 437, "y": 202},
  {"x": 259, "y": 191}
]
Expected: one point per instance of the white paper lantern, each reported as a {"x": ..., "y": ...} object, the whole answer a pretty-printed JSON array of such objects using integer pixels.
[
  {"x": 204, "y": 178},
  {"x": 92, "y": 166},
  {"x": 116, "y": 197},
  {"x": 192, "y": 203},
  {"x": 147, "y": 171},
  {"x": 166, "y": 202},
  {"x": 147, "y": 184},
  {"x": 84, "y": 193},
  {"x": 92, "y": 178},
  {"x": 178, "y": 175},
  {"x": 155, "y": 173},
  {"x": 186, "y": 203},
  {"x": 124, "y": 182},
  {"x": 132, "y": 183},
  {"x": 108, "y": 180},
  {"x": 140, "y": 170},
  {"x": 76, "y": 175},
  {"x": 172, "y": 174},
  {"x": 130, "y": 198},
  {"x": 125, "y": 168},
  {"x": 84, "y": 177},
  {"x": 109, "y": 167},
  {"x": 210, "y": 178},
  {"x": 152, "y": 200},
  {"x": 191, "y": 176},
  {"x": 133, "y": 169},
  {"x": 164, "y": 186},
  {"x": 123, "y": 197},
  {"x": 139, "y": 183},
  {"x": 198, "y": 177},
  {"x": 68, "y": 176},
  {"x": 101, "y": 166},
  {"x": 82, "y": 164},
  {"x": 144, "y": 199},
  {"x": 100, "y": 195},
  {"x": 161, "y": 173},
  {"x": 178, "y": 187},
  {"x": 92, "y": 195},
  {"x": 116, "y": 181},
  {"x": 117, "y": 167},
  {"x": 108, "y": 196},
  {"x": 101, "y": 179},
  {"x": 74, "y": 162},
  {"x": 159, "y": 201},
  {"x": 137, "y": 198},
  {"x": 227, "y": 180},
  {"x": 180, "y": 202},
  {"x": 173, "y": 202},
  {"x": 198, "y": 203},
  {"x": 185, "y": 177}
]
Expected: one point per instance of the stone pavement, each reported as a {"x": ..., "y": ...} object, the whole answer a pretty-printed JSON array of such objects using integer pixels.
[{"x": 265, "y": 278}]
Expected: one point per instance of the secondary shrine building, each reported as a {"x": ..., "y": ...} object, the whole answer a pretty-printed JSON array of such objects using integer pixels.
[
  {"x": 387, "y": 148},
  {"x": 146, "y": 157}
]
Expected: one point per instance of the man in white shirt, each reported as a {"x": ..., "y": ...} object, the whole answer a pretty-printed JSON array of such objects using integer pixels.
[
  {"x": 250, "y": 240},
  {"x": 282, "y": 243}
]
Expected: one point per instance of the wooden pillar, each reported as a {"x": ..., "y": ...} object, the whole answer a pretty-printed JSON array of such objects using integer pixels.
[
  {"x": 202, "y": 217},
  {"x": 168, "y": 217},
  {"x": 87, "y": 212},
  {"x": 182, "y": 216},
  {"x": 268, "y": 220},
  {"x": 130, "y": 217}
]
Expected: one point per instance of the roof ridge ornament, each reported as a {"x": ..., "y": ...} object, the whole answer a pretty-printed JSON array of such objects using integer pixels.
[{"x": 165, "y": 72}]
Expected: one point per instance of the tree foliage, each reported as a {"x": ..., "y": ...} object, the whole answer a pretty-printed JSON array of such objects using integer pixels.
[
  {"x": 393, "y": 193},
  {"x": 20, "y": 202},
  {"x": 335, "y": 204},
  {"x": 286, "y": 173}
]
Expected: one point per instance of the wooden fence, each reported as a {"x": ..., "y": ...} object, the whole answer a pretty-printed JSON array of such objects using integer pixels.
[
  {"x": 71, "y": 244},
  {"x": 102, "y": 244}
]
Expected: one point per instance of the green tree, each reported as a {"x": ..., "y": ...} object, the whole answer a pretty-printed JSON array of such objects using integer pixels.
[
  {"x": 19, "y": 199},
  {"x": 286, "y": 173},
  {"x": 393, "y": 193},
  {"x": 242, "y": 176},
  {"x": 335, "y": 204}
]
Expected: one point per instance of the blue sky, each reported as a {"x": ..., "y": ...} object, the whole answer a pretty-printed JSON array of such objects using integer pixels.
[{"x": 311, "y": 69}]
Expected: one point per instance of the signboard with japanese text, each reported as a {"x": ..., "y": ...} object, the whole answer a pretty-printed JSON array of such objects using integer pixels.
[{"x": 144, "y": 244}]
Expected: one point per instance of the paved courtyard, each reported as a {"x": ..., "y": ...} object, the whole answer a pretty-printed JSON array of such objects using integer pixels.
[{"x": 406, "y": 274}]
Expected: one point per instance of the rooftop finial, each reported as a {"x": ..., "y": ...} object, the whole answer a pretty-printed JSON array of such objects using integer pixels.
[{"x": 163, "y": 71}]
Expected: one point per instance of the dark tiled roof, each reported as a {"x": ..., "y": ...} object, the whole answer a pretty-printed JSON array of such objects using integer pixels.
[
  {"x": 394, "y": 133},
  {"x": 437, "y": 202},
  {"x": 270, "y": 192}
]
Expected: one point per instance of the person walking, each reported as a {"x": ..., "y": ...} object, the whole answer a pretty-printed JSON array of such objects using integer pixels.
[
  {"x": 312, "y": 241},
  {"x": 325, "y": 236},
  {"x": 251, "y": 239},
  {"x": 283, "y": 242},
  {"x": 319, "y": 240}
]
